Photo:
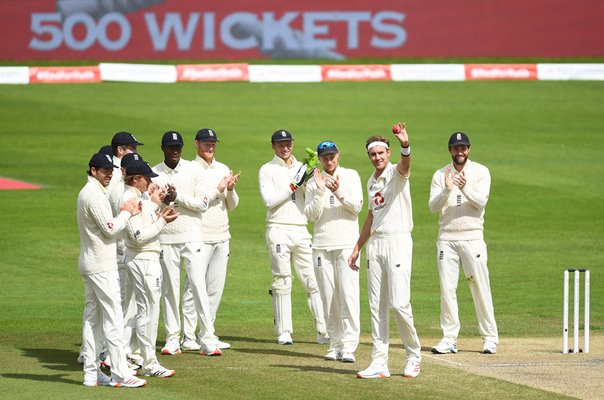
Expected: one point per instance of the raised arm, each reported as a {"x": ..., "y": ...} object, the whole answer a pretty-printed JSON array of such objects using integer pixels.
[{"x": 404, "y": 165}]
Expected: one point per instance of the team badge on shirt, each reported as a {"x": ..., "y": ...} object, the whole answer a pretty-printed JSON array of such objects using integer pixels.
[
  {"x": 378, "y": 199},
  {"x": 110, "y": 225}
]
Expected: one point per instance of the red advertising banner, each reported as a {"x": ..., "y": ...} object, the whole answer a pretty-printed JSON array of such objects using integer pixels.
[
  {"x": 501, "y": 71},
  {"x": 355, "y": 72},
  {"x": 212, "y": 72},
  {"x": 317, "y": 29},
  {"x": 64, "y": 74}
]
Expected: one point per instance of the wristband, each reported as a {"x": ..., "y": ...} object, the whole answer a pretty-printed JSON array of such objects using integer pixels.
[{"x": 406, "y": 151}]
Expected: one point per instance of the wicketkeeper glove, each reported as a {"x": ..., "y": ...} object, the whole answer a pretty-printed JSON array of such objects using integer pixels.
[{"x": 309, "y": 163}]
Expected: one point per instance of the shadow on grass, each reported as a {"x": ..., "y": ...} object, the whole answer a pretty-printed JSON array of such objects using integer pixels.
[
  {"x": 246, "y": 339},
  {"x": 277, "y": 352},
  {"x": 314, "y": 368},
  {"x": 42, "y": 378},
  {"x": 55, "y": 359}
]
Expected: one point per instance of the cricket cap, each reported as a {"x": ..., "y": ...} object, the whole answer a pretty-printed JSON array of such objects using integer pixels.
[
  {"x": 128, "y": 158},
  {"x": 458, "y": 139},
  {"x": 327, "y": 147},
  {"x": 139, "y": 167},
  {"x": 106, "y": 150},
  {"x": 206, "y": 135},
  {"x": 281, "y": 136},
  {"x": 99, "y": 160},
  {"x": 172, "y": 138},
  {"x": 124, "y": 139}
]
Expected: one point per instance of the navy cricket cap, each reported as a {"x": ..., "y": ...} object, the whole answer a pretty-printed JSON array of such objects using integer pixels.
[
  {"x": 281, "y": 136},
  {"x": 124, "y": 139},
  {"x": 128, "y": 158},
  {"x": 172, "y": 138},
  {"x": 206, "y": 135},
  {"x": 106, "y": 150},
  {"x": 139, "y": 167},
  {"x": 99, "y": 160},
  {"x": 459, "y": 139},
  {"x": 327, "y": 147}
]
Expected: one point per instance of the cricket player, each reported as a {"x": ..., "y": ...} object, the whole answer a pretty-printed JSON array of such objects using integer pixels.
[
  {"x": 216, "y": 236},
  {"x": 387, "y": 232},
  {"x": 122, "y": 143},
  {"x": 334, "y": 199},
  {"x": 142, "y": 259},
  {"x": 97, "y": 264},
  {"x": 282, "y": 189},
  {"x": 459, "y": 194},
  {"x": 181, "y": 243}
]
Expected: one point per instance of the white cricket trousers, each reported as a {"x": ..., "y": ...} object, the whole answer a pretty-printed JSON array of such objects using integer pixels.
[
  {"x": 214, "y": 260},
  {"x": 146, "y": 278},
  {"x": 339, "y": 288},
  {"x": 389, "y": 287},
  {"x": 191, "y": 255},
  {"x": 128, "y": 310},
  {"x": 285, "y": 246},
  {"x": 104, "y": 323},
  {"x": 472, "y": 255}
]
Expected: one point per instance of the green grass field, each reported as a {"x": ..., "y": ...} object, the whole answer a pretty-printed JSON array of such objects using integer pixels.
[{"x": 541, "y": 140}]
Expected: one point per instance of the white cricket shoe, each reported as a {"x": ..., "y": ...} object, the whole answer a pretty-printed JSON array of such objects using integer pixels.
[
  {"x": 322, "y": 338},
  {"x": 171, "y": 348},
  {"x": 489, "y": 347},
  {"x": 223, "y": 345},
  {"x": 374, "y": 371},
  {"x": 132, "y": 382},
  {"x": 445, "y": 346},
  {"x": 135, "y": 359},
  {"x": 333, "y": 355},
  {"x": 157, "y": 370},
  {"x": 210, "y": 349},
  {"x": 100, "y": 380},
  {"x": 190, "y": 345},
  {"x": 348, "y": 357},
  {"x": 285, "y": 338},
  {"x": 412, "y": 368}
]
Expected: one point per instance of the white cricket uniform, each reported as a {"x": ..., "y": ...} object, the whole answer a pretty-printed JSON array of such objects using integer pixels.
[
  {"x": 288, "y": 241},
  {"x": 97, "y": 264},
  {"x": 335, "y": 217},
  {"x": 126, "y": 288},
  {"x": 181, "y": 243},
  {"x": 461, "y": 243},
  {"x": 215, "y": 247},
  {"x": 389, "y": 252},
  {"x": 142, "y": 261}
]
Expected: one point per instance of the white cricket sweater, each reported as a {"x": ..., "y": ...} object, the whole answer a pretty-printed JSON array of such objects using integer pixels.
[
  {"x": 142, "y": 230},
  {"x": 215, "y": 220},
  {"x": 193, "y": 198},
  {"x": 389, "y": 200},
  {"x": 98, "y": 229},
  {"x": 335, "y": 214},
  {"x": 461, "y": 212},
  {"x": 283, "y": 207}
]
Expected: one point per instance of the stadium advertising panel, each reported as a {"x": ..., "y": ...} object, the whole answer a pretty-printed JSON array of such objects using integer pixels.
[{"x": 333, "y": 30}]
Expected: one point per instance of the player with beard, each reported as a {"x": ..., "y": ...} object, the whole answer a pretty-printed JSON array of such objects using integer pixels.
[{"x": 459, "y": 194}]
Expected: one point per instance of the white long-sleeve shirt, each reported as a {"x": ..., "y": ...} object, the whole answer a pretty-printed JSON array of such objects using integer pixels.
[
  {"x": 335, "y": 214},
  {"x": 98, "y": 229},
  {"x": 389, "y": 200},
  {"x": 461, "y": 211},
  {"x": 143, "y": 229},
  {"x": 193, "y": 197},
  {"x": 283, "y": 207},
  {"x": 215, "y": 220}
]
